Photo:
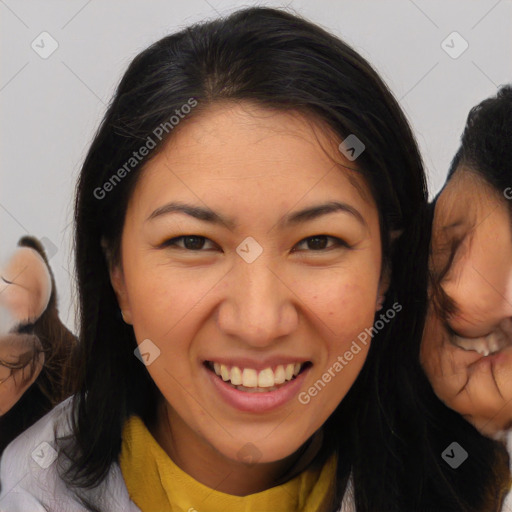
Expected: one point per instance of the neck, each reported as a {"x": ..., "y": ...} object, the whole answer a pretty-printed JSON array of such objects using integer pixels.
[{"x": 203, "y": 462}]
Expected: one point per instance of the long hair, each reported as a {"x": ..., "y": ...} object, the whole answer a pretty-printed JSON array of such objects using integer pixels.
[{"x": 390, "y": 429}]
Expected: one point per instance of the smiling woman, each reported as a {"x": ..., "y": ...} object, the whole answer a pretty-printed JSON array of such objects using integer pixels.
[
  {"x": 254, "y": 323},
  {"x": 248, "y": 253}
]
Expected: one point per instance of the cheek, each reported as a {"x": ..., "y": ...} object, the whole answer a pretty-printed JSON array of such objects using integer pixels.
[
  {"x": 170, "y": 303},
  {"x": 344, "y": 303},
  {"x": 347, "y": 292},
  {"x": 165, "y": 294},
  {"x": 341, "y": 306},
  {"x": 486, "y": 275},
  {"x": 17, "y": 301}
]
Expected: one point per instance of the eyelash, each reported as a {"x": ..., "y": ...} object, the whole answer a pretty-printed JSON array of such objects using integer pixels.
[
  {"x": 338, "y": 242},
  {"x": 452, "y": 332}
]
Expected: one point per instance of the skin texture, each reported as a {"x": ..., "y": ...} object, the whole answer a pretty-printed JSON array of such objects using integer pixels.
[
  {"x": 479, "y": 280},
  {"x": 254, "y": 166},
  {"x": 25, "y": 285}
]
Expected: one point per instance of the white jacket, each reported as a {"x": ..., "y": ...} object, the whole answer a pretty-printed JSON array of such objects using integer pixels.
[
  {"x": 30, "y": 481},
  {"x": 29, "y": 478}
]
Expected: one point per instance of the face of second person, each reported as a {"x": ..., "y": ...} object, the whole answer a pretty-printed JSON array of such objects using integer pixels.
[
  {"x": 467, "y": 353},
  {"x": 259, "y": 291}
]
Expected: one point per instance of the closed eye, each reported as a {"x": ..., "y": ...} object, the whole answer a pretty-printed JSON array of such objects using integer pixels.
[
  {"x": 196, "y": 242},
  {"x": 452, "y": 332}
]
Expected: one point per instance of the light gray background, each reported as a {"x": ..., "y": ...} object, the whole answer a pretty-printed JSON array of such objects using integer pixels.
[{"x": 51, "y": 107}]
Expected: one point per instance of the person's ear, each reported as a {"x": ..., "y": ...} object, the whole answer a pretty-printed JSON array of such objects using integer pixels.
[
  {"x": 385, "y": 275},
  {"x": 385, "y": 280},
  {"x": 119, "y": 286},
  {"x": 118, "y": 283}
]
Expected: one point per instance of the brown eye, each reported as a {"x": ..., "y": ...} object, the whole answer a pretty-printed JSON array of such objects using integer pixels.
[
  {"x": 190, "y": 242},
  {"x": 319, "y": 242}
]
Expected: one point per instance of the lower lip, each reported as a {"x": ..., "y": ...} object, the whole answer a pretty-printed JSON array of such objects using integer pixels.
[{"x": 257, "y": 402}]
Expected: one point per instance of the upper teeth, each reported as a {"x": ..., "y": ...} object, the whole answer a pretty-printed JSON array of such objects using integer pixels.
[
  {"x": 484, "y": 346},
  {"x": 250, "y": 378}
]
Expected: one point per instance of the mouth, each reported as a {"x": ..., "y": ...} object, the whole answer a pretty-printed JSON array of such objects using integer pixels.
[
  {"x": 261, "y": 391},
  {"x": 250, "y": 380},
  {"x": 486, "y": 346}
]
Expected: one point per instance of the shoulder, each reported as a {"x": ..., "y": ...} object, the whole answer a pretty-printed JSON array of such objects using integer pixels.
[
  {"x": 36, "y": 445},
  {"x": 26, "y": 463},
  {"x": 30, "y": 472}
]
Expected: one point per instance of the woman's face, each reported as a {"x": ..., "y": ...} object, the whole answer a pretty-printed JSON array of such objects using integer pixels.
[
  {"x": 257, "y": 292},
  {"x": 467, "y": 354},
  {"x": 25, "y": 288}
]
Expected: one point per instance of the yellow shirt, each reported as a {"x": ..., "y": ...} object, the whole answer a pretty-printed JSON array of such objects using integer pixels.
[{"x": 156, "y": 484}]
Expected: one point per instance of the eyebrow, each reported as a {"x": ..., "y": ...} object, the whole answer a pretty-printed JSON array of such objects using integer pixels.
[{"x": 305, "y": 215}]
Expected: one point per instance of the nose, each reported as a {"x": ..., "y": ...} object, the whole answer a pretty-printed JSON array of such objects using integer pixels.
[{"x": 259, "y": 306}]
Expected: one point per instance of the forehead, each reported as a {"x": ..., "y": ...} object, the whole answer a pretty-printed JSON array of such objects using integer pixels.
[
  {"x": 465, "y": 200},
  {"x": 240, "y": 147}
]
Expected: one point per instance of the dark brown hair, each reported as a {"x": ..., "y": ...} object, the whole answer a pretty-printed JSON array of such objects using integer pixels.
[{"x": 390, "y": 429}]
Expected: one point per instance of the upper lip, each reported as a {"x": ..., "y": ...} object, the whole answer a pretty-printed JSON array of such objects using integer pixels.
[{"x": 259, "y": 365}]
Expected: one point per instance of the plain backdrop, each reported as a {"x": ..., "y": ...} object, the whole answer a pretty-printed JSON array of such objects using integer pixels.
[{"x": 52, "y": 106}]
